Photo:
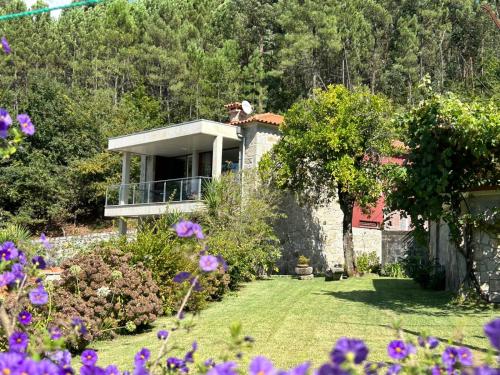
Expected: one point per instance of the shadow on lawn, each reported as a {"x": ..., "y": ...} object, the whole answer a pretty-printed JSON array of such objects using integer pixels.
[{"x": 404, "y": 296}]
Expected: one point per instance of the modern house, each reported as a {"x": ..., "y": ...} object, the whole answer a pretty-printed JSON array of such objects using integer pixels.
[{"x": 178, "y": 160}]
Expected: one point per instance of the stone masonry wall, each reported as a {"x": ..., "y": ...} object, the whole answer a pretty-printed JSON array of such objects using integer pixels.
[
  {"x": 68, "y": 246},
  {"x": 486, "y": 245},
  {"x": 313, "y": 232}
]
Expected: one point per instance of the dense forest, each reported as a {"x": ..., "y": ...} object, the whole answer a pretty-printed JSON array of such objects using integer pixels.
[{"x": 123, "y": 66}]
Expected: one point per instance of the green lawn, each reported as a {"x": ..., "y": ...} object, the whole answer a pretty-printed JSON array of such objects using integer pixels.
[{"x": 294, "y": 320}]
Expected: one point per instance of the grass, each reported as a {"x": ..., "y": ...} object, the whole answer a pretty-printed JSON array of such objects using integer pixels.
[{"x": 293, "y": 321}]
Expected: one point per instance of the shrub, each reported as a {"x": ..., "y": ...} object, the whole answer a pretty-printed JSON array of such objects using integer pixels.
[
  {"x": 240, "y": 225},
  {"x": 429, "y": 274},
  {"x": 393, "y": 270},
  {"x": 106, "y": 292},
  {"x": 368, "y": 262},
  {"x": 165, "y": 255},
  {"x": 303, "y": 260}
]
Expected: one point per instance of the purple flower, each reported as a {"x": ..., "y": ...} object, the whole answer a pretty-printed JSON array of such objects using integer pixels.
[
  {"x": 174, "y": 363},
  {"x": 225, "y": 368},
  {"x": 371, "y": 368},
  {"x": 61, "y": 357},
  {"x": 18, "y": 342},
  {"x": 46, "y": 367},
  {"x": 6, "y": 278},
  {"x": 492, "y": 330},
  {"x": 464, "y": 356},
  {"x": 328, "y": 369},
  {"x": 429, "y": 342},
  {"x": 449, "y": 356},
  {"x": 188, "y": 358},
  {"x": 79, "y": 326},
  {"x": 5, "y": 122},
  {"x": 112, "y": 370},
  {"x": 39, "y": 262},
  {"x": 22, "y": 258},
  {"x": 27, "y": 126},
  {"x": 162, "y": 335},
  {"x": 24, "y": 318},
  {"x": 6, "y": 46},
  {"x": 89, "y": 357},
  {"x": 55, "y": 333},
  {"x": 208, "y": 263},
  {"x": 181, "y": 276},
  {"x": 8, "y": 251},
  {"x": 351, "y": 350},
  {"x": 397, "y": 349},
  {"x": 184, "y": 228},
  {"x": 38, "y": 296},
  {"x": 27, "y": 366},
  {"x": 222, "y": 262},
  {"x": 300, "y": 369},
  {"x": 141, "y": 357},
  {"x": 197, "y": 231},
  {"x": 45, "y": 242},
  {"x": 18, "y": 271},
  {"x": 394, "y": 369},
  {"x": 486, "y": 370},
  {"x": 261, "y": 366}
]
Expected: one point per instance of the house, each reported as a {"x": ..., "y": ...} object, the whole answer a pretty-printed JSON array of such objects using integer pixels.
[{"x": 177, "y": 160}]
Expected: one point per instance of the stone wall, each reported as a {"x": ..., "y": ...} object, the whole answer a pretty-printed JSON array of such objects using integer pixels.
[
  {"x": 317, "y": 234},
  {"x": 395, "y": 245},
  {"x": 485, "y": 244},
  {"x": 68, "y": 246},
  {"x": 259, "y": 139}
]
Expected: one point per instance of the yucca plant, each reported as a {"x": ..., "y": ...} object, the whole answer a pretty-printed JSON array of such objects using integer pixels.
[{"x": 16, "y": 233}]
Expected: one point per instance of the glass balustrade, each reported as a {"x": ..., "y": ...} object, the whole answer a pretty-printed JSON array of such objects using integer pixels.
[{"x": 177, "y": 190}]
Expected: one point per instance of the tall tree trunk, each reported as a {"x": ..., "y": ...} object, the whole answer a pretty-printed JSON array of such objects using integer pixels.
[{"x": 347, "y": 206}]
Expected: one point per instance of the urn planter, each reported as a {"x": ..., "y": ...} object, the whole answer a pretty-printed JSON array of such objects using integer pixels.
[{"x": 304, "y": 272}]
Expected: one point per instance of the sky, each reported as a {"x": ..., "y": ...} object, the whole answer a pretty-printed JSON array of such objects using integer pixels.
[{"x": 51, "y": 3}]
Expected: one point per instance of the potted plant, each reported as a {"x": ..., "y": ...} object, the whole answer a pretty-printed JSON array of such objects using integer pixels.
[{"x": 303, "y": 270}]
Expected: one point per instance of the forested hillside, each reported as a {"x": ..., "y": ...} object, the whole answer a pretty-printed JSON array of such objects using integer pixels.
[{"x": 124, "y": 66}]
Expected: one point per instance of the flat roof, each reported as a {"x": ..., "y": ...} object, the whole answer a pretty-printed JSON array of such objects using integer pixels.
[{"x": 173, "y": 136}]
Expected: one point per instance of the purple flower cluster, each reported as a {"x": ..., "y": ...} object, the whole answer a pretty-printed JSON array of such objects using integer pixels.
[
  {"x": 185, "y": 228},
  {"x": 24, "y": 120}
]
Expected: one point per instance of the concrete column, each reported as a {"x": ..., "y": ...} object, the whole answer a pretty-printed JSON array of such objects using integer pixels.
[
  {"x": 122, "y": 224},
  {"x": 217, "y": 156}
]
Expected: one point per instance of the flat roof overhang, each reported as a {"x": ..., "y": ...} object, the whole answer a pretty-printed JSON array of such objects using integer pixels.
[{"x": 179, "y": 139}]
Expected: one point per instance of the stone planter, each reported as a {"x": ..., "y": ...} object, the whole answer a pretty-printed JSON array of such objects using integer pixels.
[
  {"x": 304, "y": 272},
  {"x": 334, "y": 274}
]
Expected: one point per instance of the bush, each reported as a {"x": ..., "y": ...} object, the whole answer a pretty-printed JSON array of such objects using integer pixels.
[
  {"x": 107, "y": 293},
  {"x": 165, "y": 255},
  {"x": 368, "y": 262},
  {"x": 393, "y": 270},
  {"x": 240, "y": 225},
  {"x": 429, "y": 274}
]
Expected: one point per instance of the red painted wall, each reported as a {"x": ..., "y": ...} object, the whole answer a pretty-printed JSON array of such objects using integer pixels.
[{"x": 375, "y": 217}]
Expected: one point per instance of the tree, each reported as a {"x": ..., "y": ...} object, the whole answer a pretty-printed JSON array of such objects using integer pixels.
[
  {"x": 331, "y": 149},
  {"x": 454, "y": 147}
]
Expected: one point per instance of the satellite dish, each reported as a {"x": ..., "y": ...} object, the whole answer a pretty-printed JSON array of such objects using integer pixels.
[{"x": 247, "y": 107}]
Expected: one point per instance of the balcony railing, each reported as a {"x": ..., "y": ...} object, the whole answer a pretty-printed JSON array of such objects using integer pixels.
[{"x": 176, "y": 190}]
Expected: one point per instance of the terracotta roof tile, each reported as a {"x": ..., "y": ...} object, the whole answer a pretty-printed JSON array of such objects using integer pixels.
[
  {"x": 234, "y": 105},
  {"x": 266, "y": 118}
]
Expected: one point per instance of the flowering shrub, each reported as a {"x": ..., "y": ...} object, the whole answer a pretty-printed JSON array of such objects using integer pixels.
[
  {"x": 166, "y": 254},
  {"x": 107, "y": 293}
]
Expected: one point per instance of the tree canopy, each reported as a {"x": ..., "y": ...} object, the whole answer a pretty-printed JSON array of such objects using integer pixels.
[
  {"x": 121, "y": 66},
  {"x": 331, "y": 148}
]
